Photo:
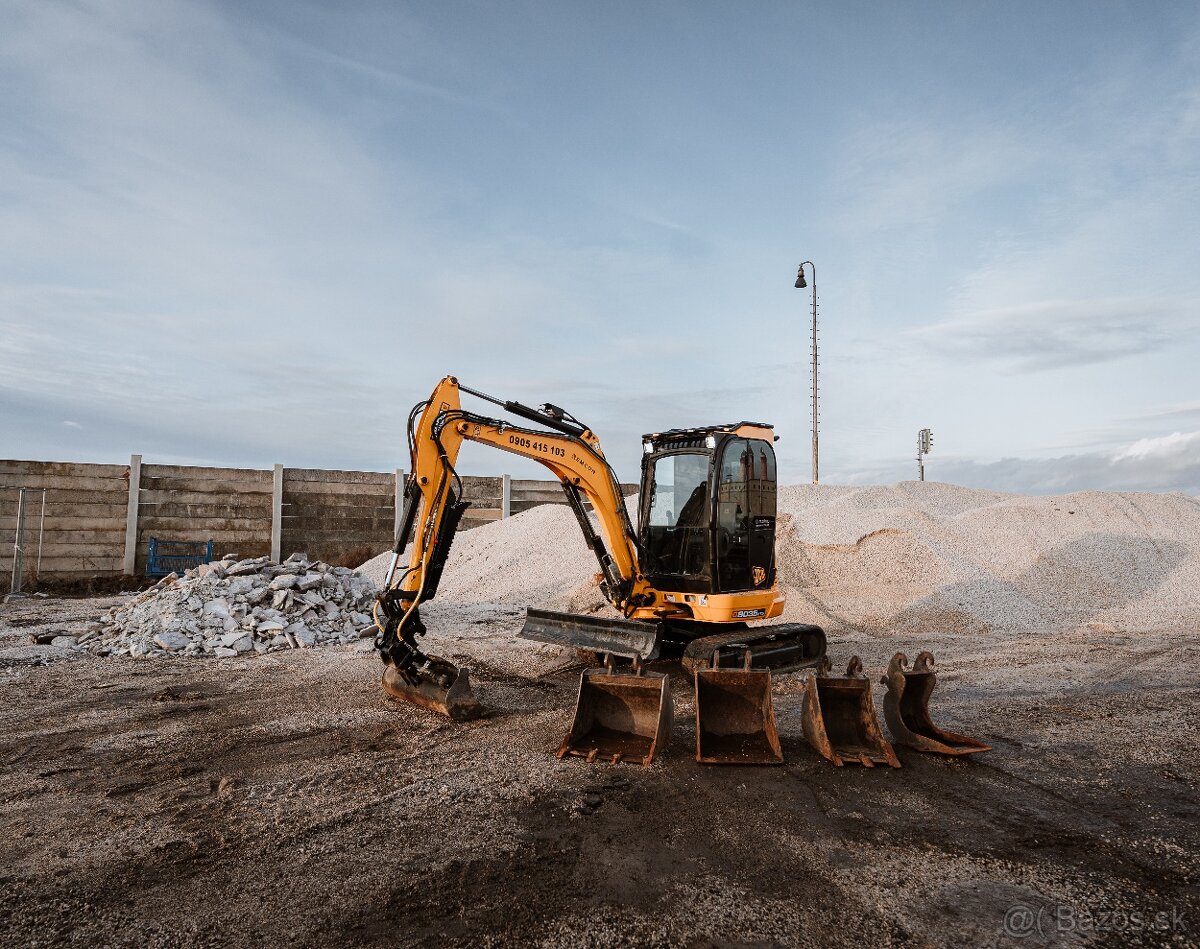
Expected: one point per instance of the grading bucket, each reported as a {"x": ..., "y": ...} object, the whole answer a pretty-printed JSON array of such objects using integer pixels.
[
  {"x": 620, "y": 716},
  {"x": 839, "y": 718},
  {"x": 444, "y": 689},
  {"x": 735, "y": 720},
  {"x": 906, "y": 708}
]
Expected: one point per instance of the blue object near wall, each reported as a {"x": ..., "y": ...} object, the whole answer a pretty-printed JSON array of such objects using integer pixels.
[{"x": 176, "y": 556}]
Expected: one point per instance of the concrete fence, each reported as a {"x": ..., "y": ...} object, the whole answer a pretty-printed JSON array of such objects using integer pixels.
[{"x": 89, "y": 520}]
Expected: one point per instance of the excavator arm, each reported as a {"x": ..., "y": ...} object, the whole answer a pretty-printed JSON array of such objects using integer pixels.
[{"x": 434, "y": 505}]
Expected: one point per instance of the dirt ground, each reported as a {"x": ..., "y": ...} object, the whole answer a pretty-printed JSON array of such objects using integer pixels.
[{"x": 282, "y": 800}]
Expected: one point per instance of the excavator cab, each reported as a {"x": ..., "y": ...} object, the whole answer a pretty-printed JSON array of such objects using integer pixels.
[{"x": 707, "y": 517}]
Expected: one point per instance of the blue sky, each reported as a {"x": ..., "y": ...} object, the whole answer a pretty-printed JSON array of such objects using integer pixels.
[{"x": 249, "y": 233}]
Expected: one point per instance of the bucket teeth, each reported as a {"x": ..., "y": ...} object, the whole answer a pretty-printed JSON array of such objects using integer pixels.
[
  {"x": 620, "y": 716},
  {"x": 452, "y": 698},
  {"x": 906, "y": 708},
  {"x": 839, "y": 719}
]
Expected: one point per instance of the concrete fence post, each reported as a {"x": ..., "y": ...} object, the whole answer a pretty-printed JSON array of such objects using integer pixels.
[
  {"x": 506, "y": 496},
  {"x": 277, "y": 514},
  {"x": 131, "y": 514}
]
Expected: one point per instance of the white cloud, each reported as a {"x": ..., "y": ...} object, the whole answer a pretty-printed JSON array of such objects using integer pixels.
[
  {"x": 1166, "y": 448},
  {"x": 1167, "y": 463},
  {"x": 1057, "y": 333}
]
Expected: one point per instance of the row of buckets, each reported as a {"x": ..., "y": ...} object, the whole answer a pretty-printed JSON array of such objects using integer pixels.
[{"x": 627, "y": 716}]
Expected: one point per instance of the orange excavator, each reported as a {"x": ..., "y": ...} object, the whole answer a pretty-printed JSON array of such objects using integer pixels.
[{"x": 684, "y": 585}]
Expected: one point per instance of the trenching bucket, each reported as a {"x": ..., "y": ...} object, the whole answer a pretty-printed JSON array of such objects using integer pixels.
[
  {"x": 735, "y": 720},
  {"x": 445, "y": 690},
  {"x": 620, "y": 716},
  {"x": 906, "y": 708},
  {"x": 839, "y": 718}
]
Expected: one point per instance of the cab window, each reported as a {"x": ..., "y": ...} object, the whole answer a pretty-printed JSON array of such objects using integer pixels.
[{"x": 675, "y": 538}]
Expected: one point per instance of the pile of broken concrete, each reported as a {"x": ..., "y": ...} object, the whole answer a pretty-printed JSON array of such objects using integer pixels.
[{"x": 238, "y": 607}]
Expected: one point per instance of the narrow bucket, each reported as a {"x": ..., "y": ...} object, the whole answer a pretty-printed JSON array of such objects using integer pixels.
[
  {"x": 620, "y": 716},
  {"x": 906, "y": 708},
  {"x": 735, "y": 720},
  {"x": 447, "y": 693},
  {"x": 839, "y": 719}
]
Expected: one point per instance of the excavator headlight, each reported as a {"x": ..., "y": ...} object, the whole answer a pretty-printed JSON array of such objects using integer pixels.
[
  {"x": 647, "y": 447},
  {"x": 711, "y": 441}
]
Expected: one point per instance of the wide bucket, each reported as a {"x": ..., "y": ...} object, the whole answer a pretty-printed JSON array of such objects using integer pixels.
[
  {"x": 839, "y": 719},
  {"x": 447, "y": 693},
  {"x": 620, "y": 716},
  {"x": 735, "y": 719},
  {"x": 906, "y": 709}
]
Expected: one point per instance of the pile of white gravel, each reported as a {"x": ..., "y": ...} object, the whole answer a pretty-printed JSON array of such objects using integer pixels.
[
  {"x": 912, "y": 557},
  {"x": 239, "y": 607}
]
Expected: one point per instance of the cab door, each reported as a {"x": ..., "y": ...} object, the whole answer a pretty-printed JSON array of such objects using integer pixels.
[{"x": 744, "y": 526}]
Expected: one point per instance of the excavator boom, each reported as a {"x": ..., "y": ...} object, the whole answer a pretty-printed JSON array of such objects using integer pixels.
[{"x": 433, "y": 507}]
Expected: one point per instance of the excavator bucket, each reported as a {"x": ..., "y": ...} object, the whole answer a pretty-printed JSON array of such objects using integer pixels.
[
  {"x": 620, "y": 716},
  {"x": 906, "y": 708},
  {"x": 735, "y": 720},
  {"x": 839, "y": 720},
  {"x": 447, "y": 690}
]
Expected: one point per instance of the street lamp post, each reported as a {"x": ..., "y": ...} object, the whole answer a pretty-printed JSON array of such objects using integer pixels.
[{"x": 800, "y": 285}]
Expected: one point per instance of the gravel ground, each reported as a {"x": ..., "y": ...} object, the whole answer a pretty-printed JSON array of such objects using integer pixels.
[{"x": 282, "y": 800}]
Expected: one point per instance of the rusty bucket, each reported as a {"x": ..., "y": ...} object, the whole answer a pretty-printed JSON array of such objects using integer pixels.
[
  {"x": 444, "y": 689},
  {"x": 735, "y": 720},
  {"x": 839, "y": 718},
  {"x": 906, "y": 708},
  {"x": 620, "y": 716}
]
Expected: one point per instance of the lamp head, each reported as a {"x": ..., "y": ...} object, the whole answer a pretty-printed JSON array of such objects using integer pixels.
[{"x": 801, "y": 283}]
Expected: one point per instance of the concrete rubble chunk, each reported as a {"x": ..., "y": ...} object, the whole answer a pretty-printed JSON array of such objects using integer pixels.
[
  {"x": 172, "y": 641},
  {"x": 216, "y": 607},
  {"x": 243, "y": 567}
]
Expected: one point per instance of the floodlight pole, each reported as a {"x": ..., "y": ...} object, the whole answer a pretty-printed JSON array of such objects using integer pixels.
[
  {"x": 800, "y": 284},
  {"x": 924, "y": 447}
]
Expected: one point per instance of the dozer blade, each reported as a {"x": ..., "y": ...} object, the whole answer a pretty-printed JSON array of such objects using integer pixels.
[
  {"x": 906, "y": 708},
  {"x": 839, "y": 718},
  {"x": 455, "y": 700},
  {"x": 620, "y": 716},
  {"x": 631, "y": 639},
  {"x": 735, "y": 720}
]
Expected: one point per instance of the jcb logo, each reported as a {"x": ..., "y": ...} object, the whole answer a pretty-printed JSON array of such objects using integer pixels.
[{"x": 760, "y": 574}]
